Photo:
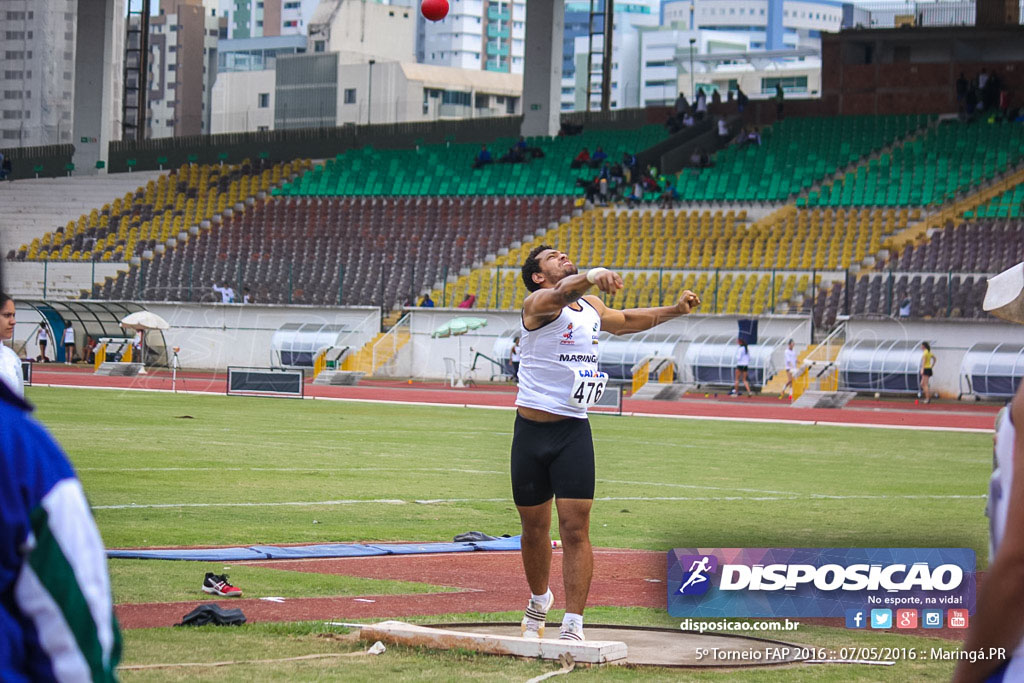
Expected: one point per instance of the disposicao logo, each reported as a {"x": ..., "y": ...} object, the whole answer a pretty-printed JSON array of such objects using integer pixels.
[
  {"x": 696, "y": 581},
  {"x": 827, "y": 582}
]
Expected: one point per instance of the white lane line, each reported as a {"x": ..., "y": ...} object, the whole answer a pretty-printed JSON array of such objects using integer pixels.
[
  {"x": 761, "y": 420},
  {"x": 340, "y": 469},
  {"x": 697, "y": 486},
  {"x": 442, "y": 501}
]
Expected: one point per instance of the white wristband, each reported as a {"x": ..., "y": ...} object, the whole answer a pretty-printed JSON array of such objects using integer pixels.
[{"x": 593, "y": 273}]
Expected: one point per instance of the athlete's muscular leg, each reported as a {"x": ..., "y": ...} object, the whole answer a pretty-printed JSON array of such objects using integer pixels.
[
  {"x": 536, "y": 544},
  {"x": 577, "y": 555}
]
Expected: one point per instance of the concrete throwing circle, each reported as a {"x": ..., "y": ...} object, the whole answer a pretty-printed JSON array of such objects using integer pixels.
[{"x": 672, "y": 647}]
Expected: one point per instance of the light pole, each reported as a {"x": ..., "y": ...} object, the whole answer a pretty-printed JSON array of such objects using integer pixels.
[
  {"x": 369, "y": 93},
  {"x": 693, "y": 81}
]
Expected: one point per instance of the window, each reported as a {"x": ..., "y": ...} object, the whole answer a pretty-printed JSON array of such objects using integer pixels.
[
  {"x": 788, "y": 83},
  {"x": 350, "y": 95},
  {"x": 292, "y": 5},
  {"x": 8, "y": 114},
  {"x": 261, "y": 129},
  {"x": 14, "y": 75},
  {"x": 15, "y": 16},
  {"x": 319, "y": 46},
  {"x": 15, "y": 35},
  {"x": 291, "y": 24},
  {"x": 263, "y": 100},
  {"x": 14, "y": 54},
  {"x": 11, "y": 135}
]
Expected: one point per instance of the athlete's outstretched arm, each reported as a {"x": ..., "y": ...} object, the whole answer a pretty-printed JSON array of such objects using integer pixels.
[
  {"x": 545, "y": 304},
  {"x": 640, "y": 319},
  {"x": 997, "y": 623}
]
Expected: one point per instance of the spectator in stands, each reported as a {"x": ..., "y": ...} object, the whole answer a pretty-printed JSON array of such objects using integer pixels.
[
  {"x": 582, "y": 159},
  {"x": 702, "y": 104},
  {"x": 754, "y": 137},
  {"x": 69, "y": 343},
  {"x": 970, "y": 101},
  {"x": 961, "y": 91},
  {"x": 682, "y": 106},
  {"x": 6, "y": 170},
  {"x": 246, "y": 296},
  {"x": 723, "y": 128},
  {"x": 427, "y": 302},
  {"x": 780, "y": 99},
  {"x": 688, "y": 120},
  {"x": 468, "y": 301},
  {"x": 927, "y": 367},
  {"x": 521, "y": 144},
  {"x": 982, "y": 79},
  {"x": 669, "y": 197},
  {"x": 636, "y": 197},
  {"x": 10, "y": 363},
  {"x": 905, "y": 302},
  {"x": 514, "y": 155},
  {"x": 42, "y": 338},
  {"x": 700, "y": 158},
  {"x": 598, "y": 157},
  {"x": 56, "y": 613},
  {"x": 716, "y": 97},
  {"x": 514, "y": 358},
  {"x": 227, "y": 294},
  {"x": 742, "y": 367},
  {"x": 3, "y": 174},
  {"x": 483, "y": 157},
  {"x": 741, "y": 99}
]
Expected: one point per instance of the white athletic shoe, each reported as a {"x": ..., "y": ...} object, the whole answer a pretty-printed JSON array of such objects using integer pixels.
[
  {"x": 571, "y": 632},
  {"x": 536, "y": 614}
]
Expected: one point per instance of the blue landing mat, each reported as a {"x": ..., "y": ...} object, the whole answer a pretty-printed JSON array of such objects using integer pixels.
[{"x": 273, "y": 552}]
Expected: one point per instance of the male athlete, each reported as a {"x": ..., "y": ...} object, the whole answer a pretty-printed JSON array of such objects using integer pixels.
[
  {"x": 997, "y": 627},
  {"x": 552, "y": 449}
]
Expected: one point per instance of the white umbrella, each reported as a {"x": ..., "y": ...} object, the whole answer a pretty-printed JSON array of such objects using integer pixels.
[{"x": 142, "y": 321}]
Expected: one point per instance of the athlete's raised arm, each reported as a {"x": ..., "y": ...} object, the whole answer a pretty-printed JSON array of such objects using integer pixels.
[{"x": 639, "y": 319}]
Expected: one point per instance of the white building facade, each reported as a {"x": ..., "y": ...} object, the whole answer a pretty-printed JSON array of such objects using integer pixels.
[{"x": 488, "y": 35}]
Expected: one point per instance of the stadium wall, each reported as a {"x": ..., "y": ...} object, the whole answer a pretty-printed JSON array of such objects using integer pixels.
[
  {"x": 423, "y": 357},
  {"x": 215, "y": 336},
  {"x": 950, "y": 339}
]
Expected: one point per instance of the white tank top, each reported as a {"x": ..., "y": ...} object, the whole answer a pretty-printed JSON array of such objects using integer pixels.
[
  {"x": 999, "y": 492},
  {"x": 551, "y": 356}
]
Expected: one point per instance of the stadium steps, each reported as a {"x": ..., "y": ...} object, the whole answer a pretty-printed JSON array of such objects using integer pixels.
[
  {"x": 777, "y": 383},
  {"x": 918, "y": 231},
  {"x": 366, "y": 361}
]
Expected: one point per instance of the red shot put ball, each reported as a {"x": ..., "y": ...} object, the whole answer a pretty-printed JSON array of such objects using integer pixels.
[{"x": 434, "y": 10}]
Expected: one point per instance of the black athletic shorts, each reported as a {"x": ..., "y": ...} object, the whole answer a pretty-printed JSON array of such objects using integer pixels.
[
  {"x": 741, "y": 368},
  {"x": 927, "y": 372},
  {"x": 551, "y": 459}
]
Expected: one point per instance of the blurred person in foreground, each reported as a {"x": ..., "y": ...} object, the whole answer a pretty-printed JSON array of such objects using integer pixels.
[
  {"x": 56, "y": 612},
  {"x": 998, "y": 621}
]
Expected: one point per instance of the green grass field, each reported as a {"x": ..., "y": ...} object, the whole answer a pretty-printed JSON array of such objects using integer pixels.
[{"x": 245, "y": 471}]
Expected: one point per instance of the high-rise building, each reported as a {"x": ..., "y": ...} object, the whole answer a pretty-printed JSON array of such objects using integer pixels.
[
  {"x": 576, "y": 45},
  {"x": 265, "y": 18},
  {"x": 477, "y": 34},
  {"x": 37, "y": 65},
  {"x": 182, "y": 68}
]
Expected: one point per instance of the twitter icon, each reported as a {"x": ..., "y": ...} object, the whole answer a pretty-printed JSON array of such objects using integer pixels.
[{"x": 881, "y": 618}]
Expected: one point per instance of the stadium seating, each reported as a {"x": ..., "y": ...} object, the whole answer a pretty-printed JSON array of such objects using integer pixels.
[
  {"x": 156, "y": 213},
  {"x": 444, "y": 170},
  {"x": 717, "y": 254},
  {"x": 1009, "y": 204},
  {"x": 931, "y": 170},
  {"x": 353, "y": 251},
  {"x": 794, "y": 154}
]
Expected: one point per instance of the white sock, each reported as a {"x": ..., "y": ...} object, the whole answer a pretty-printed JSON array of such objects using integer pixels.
[
  {"x": 571, "y": 619},
  {"x": 542, "y": 599}
]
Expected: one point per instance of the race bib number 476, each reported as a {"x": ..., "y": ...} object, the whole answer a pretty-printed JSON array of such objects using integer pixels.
[{"x": 587, "y": 387}]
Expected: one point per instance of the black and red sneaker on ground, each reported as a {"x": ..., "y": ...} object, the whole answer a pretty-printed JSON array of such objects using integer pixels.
[{"x": 217, "y": 584}]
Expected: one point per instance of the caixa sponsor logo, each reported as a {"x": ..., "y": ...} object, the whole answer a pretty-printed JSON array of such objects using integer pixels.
[{"x": 828, "y": 577}]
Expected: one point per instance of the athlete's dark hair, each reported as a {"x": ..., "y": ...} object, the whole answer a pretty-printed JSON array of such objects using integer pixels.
[
  {"x": 927, "y": 346},
  {"x": 4, "y": 298},
  {"x": 530, "y": 266}
]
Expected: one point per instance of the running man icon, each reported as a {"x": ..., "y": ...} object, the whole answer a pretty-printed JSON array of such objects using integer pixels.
[{"x": 697, "y": 573}]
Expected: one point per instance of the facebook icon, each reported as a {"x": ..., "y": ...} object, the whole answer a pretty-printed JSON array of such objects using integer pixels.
[{"x": 856, "y": 618}]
